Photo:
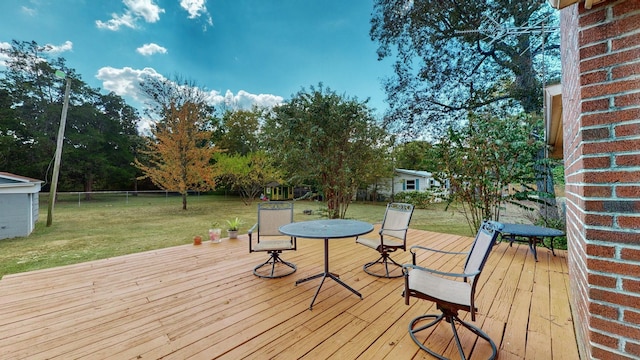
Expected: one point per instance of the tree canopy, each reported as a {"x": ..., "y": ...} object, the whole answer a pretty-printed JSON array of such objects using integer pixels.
[
  {"x": 328, "y": 139},
  {"x": 178, "y": 155},
  {"x": 445, "y": 68},
  {"x": 101, "y": 129}
]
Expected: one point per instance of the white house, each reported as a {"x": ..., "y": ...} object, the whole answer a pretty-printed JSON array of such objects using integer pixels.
[
  {"x": 407, "y": 180},
  {"x": 18, "y": 205}
]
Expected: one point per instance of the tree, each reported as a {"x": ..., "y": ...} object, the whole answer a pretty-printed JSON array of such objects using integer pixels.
[
  {"x": 100, "y": 132},
  {"x": 248, "y": 174},
  {"x": 178, "y": 154},
  {"x": 481, "y": 159},
  {"x": 238, "y": 132},
  {"x": 329, "y": 139},
  {"x": 443, "y": 71}
]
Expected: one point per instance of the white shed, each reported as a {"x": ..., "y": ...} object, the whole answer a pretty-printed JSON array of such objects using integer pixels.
[{"x": 18, "y": 205}]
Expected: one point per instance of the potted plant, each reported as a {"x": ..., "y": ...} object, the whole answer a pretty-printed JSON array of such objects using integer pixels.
[
  {"x": 234, "y": 225},
  {"x": 214, "y": 232}
]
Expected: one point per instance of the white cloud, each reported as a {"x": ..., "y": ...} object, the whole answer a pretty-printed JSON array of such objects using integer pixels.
[
  {"x": 135, "y": 9},
  {"x": 29, "y": 11},
  {"x": 56, "y": 49},
  {"x": 150, "y": 49},
  {"x": 126, "y": 81},
  {"x": 245, "y": 100},
  {"x": 196, "y": 8}
]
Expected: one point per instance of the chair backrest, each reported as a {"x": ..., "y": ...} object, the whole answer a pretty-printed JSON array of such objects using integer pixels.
[
  {"x": 482, "y": 245},
  {"x": 272, "y": 215},
  {"x": 396, "y": 220}
]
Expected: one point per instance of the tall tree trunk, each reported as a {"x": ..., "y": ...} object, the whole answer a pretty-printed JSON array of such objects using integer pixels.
[{"x": 184, "y": 201}]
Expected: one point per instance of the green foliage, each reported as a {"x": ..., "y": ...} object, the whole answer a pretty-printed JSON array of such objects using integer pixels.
[
  {"x": 234, "y": 224},
  {"x": 322, "y": 138},
  {"x": 481, "y": 159},
  {"x": 238, "y": 131},
  {"x": 178, "y": 154},
  {"x": 445, "y": 68},
  {"x": 248, "y": 174},
  {"x": 100, "y": 135},
  {"x": 419, "y": 199}
]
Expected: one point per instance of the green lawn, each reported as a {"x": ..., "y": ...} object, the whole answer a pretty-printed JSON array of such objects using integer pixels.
[{"x": 114, "y": 225}]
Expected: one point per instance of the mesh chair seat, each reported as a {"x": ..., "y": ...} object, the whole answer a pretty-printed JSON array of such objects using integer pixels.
[
  {"x": 267, "y": 238},
  {"x": 391, "y": 237},
  {"x": 450, "y": 291}
]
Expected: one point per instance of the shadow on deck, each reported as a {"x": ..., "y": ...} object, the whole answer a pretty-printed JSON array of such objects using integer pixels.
[{"x": 203, "y": 302}]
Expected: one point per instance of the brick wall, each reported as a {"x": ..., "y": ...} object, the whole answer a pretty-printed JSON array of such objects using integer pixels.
[{"x": 601, "y": 123}]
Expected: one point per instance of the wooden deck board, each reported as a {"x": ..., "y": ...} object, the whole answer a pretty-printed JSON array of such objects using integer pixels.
[{"x": 203, "y": 302}]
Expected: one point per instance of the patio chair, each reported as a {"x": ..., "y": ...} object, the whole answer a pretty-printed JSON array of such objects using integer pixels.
[
  {"x": 392, "y": 237},
  {"x": 272, "y": 215},
  {"x": 449, "y": 294}
]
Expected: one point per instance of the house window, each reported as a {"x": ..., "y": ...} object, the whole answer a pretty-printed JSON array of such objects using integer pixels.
[{"x": 411, "y": 185}]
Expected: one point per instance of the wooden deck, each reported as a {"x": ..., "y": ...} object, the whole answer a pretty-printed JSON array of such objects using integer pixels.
[{"x": 203, "y": 302}]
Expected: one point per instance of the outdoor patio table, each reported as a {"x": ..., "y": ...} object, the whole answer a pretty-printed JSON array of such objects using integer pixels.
[
  {"x": 531, "y": 234},
  {"x": 326, "y": 229}
]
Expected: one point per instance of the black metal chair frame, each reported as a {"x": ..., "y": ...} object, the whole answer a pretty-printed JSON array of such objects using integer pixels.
[
  {"x": 476, "y": 259},
  {"x": 385, "y": 246},
  {"x": 272, "y": 215}
]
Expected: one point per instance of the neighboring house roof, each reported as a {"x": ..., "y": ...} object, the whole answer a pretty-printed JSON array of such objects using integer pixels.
[
  {"x": 417, "y": 173},
  {"x": 18, "y": 178},
  {"x": 10, "y": 181}
]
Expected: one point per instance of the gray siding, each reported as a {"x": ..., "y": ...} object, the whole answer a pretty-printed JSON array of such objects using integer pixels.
[{"x": 14, "y": 215}]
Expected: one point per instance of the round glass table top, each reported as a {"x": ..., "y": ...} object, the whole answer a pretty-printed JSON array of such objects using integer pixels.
[{"x": 327, "y": 229}]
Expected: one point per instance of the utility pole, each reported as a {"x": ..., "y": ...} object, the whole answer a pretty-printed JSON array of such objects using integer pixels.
[{"x": 56, "y": 164}]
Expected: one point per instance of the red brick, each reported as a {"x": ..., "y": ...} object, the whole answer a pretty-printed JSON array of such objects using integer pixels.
[
  {"x": 596, "y": 134},
  {"x": 632, "y": 348},
  {"x": 612, "y": 87},
  {"x": 592, "y": 18},
  {"x": 607, "y": 147},
  {"x": 631, "y": 285},
  {"x": 615, "y": 328},
  {"x": 620, "y": 268},
  {"x": 625, "y": 70},
  {"x": 628, "y": 160},
  {"x": 596, "y": 105},
  {"x": 604, "y": 310},
  {"x": 591, "y": 51},
  {"x": 598, "y": 220},
  {"x": 627, "y": 130},
  {"x": 628, "y": 191},
  {"x": 599, "y": 250},
  {"x": 616, "y": 237},
  {"x": 598, "y": 353},
  {"x": 625, "y": 42},
  {"x": 596, "y": 162},
  {"x": 625, "y": 7},
  {"x": 603, "y": 177},
  {"x": 624, "y": 100},
  {"x": 630, "y": 254},
  {"x": 631, "y": 316},
  {"x": 602, "y": 280},
  {"x": 629, "y": 222},
  {"x": 611, "y": 117},
  {"x": 605, "y": 340},
  {"x": 597, "y": 191},
  {"x": 607, "y": 61}
]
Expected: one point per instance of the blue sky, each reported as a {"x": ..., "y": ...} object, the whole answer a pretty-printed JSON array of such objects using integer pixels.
[{"x": 241, "y": 51}]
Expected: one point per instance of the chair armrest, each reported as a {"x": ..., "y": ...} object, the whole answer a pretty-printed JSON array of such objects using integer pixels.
[
  {"x": 407, "y": 267},
  {"x": 250, "y": 231},
  {"x": 412, "y": 249}
]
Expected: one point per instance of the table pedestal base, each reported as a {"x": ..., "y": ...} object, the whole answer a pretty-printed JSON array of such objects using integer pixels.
[{"x": 326, "y": 274}]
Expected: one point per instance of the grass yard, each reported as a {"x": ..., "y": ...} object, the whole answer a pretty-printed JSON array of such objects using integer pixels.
[{"x": 112, "y": 225}]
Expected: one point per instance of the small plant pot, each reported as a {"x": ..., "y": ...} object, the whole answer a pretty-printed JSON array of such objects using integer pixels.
[
  {"x": 214, "y": 235},
  {"x": 233, "y": 234},
  {"x": 197, "y": 240}
]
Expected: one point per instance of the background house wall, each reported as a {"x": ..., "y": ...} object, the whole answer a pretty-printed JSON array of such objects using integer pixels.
[
  {"x": 601, "y": 123},
  {"x": 19, "y": 205}
]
